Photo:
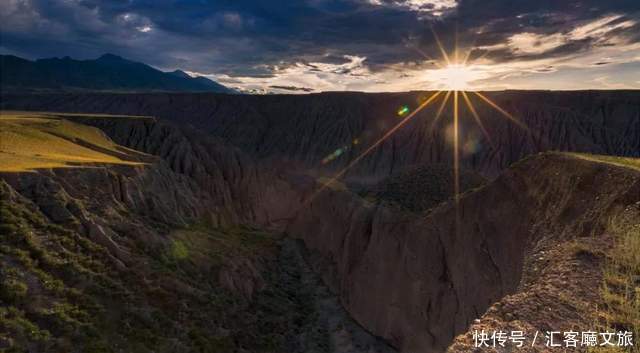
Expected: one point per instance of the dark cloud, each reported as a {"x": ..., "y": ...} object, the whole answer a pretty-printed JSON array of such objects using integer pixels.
[
  {"x": 292, "y": 88},
  {"x": 498, "y": 20},
  {"x": 253, "y": 38}
]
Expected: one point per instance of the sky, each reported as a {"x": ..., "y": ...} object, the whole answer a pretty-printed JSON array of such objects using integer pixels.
[{"x": 302, "y": 46}]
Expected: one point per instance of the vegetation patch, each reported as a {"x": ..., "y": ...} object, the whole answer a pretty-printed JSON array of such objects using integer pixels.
[
  {"x": 621, "y": 284},
  {"x": 204, "y": 246},
  {"x": 31, "y": 141},
  {"x": 59, "y": 292}
]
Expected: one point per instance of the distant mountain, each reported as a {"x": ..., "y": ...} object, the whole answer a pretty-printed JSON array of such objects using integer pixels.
[
  {"x": 215, "y": 86},
  {"x": 180, "y": 73},
  {"x": 106, "y": 73}
]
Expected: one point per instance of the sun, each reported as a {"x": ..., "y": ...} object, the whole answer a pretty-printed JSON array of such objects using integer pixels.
[
  {"x": 454, "y": 77},
  {"x": 458, "y": 77}
]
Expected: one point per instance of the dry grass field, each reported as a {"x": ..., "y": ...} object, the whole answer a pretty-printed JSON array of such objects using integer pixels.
[{"x": 30, "y": 141}]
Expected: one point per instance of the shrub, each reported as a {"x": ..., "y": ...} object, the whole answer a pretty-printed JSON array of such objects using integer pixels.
[{"x": 12, "y": 290}]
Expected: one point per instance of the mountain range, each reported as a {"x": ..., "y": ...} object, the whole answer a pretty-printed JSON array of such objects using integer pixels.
[{"x": 107, "y": 73}]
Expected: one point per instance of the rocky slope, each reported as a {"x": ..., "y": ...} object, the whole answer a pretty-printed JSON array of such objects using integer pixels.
[
  {"x": 158, "y": 256},
  {"x": 90, "y": 261},
  {"x": 306, "y": 129},
  {"x": 419, "y": 280},
  {"x": 243, "y": 190},
  {"x": 173, "y": 243}
]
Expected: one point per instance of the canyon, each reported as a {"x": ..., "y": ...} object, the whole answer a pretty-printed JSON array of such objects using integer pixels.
[{"x": 224, "y": 187}]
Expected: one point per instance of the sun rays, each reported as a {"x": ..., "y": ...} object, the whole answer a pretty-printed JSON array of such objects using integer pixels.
[
  {"x": 456, "y": 77},
  {"x": 373, "y": 146}
]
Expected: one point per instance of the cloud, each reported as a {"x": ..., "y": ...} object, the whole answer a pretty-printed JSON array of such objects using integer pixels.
[
  {"x": 292, "y": 88},
  {"x": 601, "y": 28},
  {"x": 319, "y": 75},
  {"x": 585, "y": 36},
  {"x": 337, "y": 44},
  {"x": 531, "y": 43},
  {"x": 432, "y": 7}
]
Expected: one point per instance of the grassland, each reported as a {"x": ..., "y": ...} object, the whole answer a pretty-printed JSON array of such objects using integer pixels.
[
  {"x": 621, "y": 285},
  {"x": 30, "y": 141}
]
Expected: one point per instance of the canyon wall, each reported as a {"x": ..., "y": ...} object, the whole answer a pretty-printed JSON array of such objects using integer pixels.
[
  {"x": 419, "y": 280},
  {"x": 304, "y": 129}
]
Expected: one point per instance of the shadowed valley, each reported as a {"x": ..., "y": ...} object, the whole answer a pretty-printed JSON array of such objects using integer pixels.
[{"x": 207, "y": 222}]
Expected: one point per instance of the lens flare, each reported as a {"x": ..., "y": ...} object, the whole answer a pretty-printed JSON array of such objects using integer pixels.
[
  {"x": 456, "y": 147},
  {"x": 476, "y": 116},
  {"x": 439, "y": 113},
  {"x": 373, "y": 146},
  {"x": 455, "y": 78},
  {"x": 504, "y": 112},
  {"x": 403, "y": 110}
]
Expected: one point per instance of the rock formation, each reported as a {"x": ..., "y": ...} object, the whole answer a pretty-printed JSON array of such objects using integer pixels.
[
  {"x": 305, "y": 129},
  {"x": 419, "y": 280}
]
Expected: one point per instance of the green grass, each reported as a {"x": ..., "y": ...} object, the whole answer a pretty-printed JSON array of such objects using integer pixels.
[
  {"x": 30, "y": 141},
  {"x": 205, "y": 246},
  {"x": 37, "y": 303}
]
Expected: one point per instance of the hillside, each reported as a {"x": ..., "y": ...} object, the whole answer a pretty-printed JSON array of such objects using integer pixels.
[
  {"x": 106, "y": 73},
  {"x": 167, "y": 239},
  {"x": 41, "y": 141},
  {"x": 305, "y": 129},
  {"x": 105, "y": 256},
  {"x": 529, "y": 251}
]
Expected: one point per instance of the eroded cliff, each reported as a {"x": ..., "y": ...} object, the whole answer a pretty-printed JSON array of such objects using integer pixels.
[
  {"x": 420, "y": 280},
  {"x": 305, "y": 129}
]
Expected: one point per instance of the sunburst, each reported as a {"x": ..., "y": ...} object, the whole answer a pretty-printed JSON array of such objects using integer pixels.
[{"x": 455, "y": 76}]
